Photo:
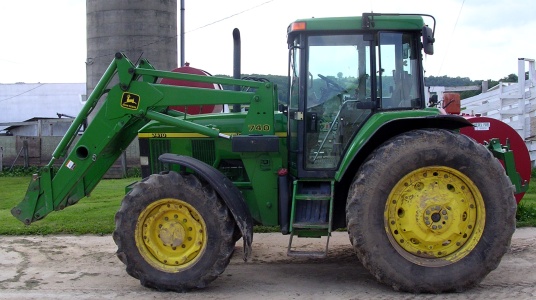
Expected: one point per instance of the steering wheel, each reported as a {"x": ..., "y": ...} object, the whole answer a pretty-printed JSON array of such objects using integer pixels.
[{"x": 331, "y": 83}]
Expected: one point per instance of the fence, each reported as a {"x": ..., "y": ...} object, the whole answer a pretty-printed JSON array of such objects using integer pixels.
[
  {"x": 37, "y": 151},
  {"x": 512, "y": 103}
]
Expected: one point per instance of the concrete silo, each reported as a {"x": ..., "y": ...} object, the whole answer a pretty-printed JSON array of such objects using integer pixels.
[{"x": 133, "y": 27}]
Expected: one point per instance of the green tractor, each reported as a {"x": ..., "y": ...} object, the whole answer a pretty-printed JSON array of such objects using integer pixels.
[{"x": 356, "y": 147}]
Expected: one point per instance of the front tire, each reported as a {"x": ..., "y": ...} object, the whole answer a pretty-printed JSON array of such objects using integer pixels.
[
  {"x": 431, "y": 211},
  {"x": 174, "y": 233}
]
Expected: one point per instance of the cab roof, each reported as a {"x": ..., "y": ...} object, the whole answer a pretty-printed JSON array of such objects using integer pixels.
[{"x": 368, "y": 21}]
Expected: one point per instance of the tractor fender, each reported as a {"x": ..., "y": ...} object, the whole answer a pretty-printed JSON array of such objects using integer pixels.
[
  {"x": 361, "y": 148},
  {"x": 231, "y": 195}
]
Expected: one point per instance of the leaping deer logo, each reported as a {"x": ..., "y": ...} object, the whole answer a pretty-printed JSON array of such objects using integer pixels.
[{"x": 130, "y": 101}]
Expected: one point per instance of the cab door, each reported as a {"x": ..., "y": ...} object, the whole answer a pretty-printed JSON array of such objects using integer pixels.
[{"x": 329, "y": 81}]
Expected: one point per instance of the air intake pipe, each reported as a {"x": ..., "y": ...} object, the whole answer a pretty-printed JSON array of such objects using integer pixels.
[{"x": 236, "y": 63}]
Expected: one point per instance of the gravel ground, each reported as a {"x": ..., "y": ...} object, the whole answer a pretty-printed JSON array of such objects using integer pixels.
[{"x": 85, "y": 267}]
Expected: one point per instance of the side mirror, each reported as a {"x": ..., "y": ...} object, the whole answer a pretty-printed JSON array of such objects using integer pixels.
[{"x": 428, "y": 40}]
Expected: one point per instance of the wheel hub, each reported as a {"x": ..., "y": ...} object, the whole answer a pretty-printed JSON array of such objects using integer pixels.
[
  {"x": 170, "y": 234},
  {"x": 437, "y": 217},
  {"x": 434, "y": 212}
]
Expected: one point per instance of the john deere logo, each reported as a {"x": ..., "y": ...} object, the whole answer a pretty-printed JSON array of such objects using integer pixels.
[{"x": 130, "y": 101}]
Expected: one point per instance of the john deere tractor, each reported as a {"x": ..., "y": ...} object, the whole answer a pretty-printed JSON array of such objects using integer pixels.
[{"x": 356, "y": 147}]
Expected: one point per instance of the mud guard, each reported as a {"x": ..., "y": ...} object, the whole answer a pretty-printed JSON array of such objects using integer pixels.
[{"x": 230, "y": 194}]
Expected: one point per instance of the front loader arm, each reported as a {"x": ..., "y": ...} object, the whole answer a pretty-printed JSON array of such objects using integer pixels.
[{"x": 127, "y": 107}]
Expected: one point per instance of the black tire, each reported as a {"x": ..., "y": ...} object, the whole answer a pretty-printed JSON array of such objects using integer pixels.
[
  {"x": 185, "y": 258},
  {"x": 377, "y": 220}
]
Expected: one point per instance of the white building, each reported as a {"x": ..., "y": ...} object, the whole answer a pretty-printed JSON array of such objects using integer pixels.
[{"x": 25, "y": 101}]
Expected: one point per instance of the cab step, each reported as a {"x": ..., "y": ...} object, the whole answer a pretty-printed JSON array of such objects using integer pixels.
[{"x": 311, "y": 214}]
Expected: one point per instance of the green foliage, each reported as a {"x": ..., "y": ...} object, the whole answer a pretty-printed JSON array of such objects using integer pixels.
[
  {"x": 133, "y": 172},
  {"x": 526, "y": 210},
  {"x": 265, "y": 229},
  {"x": 18, "y": 171},
  {"x": 526, "y": 215},
  {"x": 450, "y": 81}
]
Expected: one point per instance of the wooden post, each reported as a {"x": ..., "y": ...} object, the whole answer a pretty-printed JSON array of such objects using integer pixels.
[
  {"x": 484, "y": 86},
  {"x": 124, "y": 164},
  {"x": 25, "y": 153}
]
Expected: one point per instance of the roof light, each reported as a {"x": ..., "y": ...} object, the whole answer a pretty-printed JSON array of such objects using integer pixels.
[{"x": 297, "y": 26}]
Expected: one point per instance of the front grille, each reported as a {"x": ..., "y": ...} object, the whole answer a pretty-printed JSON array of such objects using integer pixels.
[
  {"x": 204, "y": 150},
  {"x": 158, "y": 147}
]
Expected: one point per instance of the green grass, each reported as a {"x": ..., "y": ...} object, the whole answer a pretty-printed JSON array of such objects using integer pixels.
[
  {"x": 526, "y": 210},
  {"x": 92, "y": 215},
  {"x": 95, "y": 214}
]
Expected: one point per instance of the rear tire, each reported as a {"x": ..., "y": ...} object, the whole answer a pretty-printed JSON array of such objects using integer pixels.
[
  {"x": 431, "y": 211},
  {"x": 174, "y": 233}
]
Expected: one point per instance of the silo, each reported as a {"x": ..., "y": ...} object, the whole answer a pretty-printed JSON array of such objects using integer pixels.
[{"x": 135, "y": 27}]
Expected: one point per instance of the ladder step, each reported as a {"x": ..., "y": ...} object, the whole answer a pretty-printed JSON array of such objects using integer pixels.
[
  {"x": 311, "y": 213},
  {"x": 317, "y": 197},
  {"x": 307, "y": 253},
  {"x": 311, "y": 225},
  {"x": 312, "y": 254}
]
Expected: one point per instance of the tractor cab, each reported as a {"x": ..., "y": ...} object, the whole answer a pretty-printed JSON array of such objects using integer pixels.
[{"x": 341, "y": 72}]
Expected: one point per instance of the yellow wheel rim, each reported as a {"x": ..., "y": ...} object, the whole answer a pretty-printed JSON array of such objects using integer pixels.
[
  {"x": 434, "y": 216},
  {"x": 170, "y": 235}
]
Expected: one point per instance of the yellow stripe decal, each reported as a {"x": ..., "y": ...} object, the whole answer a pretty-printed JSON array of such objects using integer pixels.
[{"x": 188, "y": 135}]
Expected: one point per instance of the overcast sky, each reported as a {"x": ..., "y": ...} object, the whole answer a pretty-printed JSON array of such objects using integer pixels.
[{"x": 45, "y": 41}]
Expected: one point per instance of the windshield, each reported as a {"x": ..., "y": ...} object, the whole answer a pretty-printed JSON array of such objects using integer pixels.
[{"x": 338, "y": 64}]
